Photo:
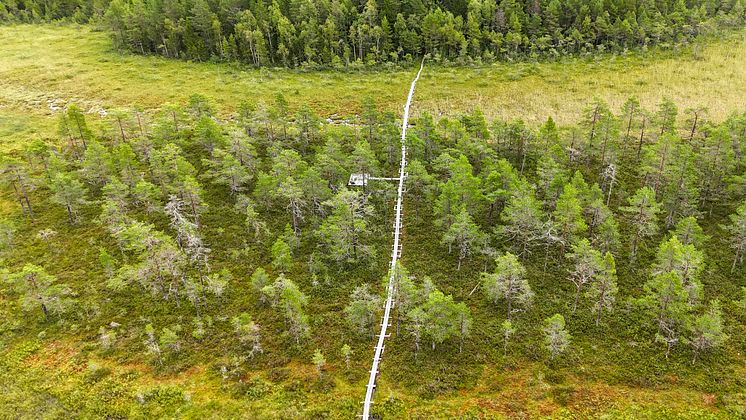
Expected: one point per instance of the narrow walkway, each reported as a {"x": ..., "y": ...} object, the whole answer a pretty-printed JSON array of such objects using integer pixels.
[{"x": 395, "y": 254}]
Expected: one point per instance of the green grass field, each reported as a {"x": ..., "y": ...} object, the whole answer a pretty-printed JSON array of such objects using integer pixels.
[
  {"x": 57, "y": 370},
  {"x": 46, "y": 64}
]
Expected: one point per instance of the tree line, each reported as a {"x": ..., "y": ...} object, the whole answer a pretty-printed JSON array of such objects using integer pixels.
[{"x": 296, "y": 33}]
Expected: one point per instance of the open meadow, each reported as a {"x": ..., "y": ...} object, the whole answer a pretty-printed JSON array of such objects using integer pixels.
[{"x": 48, "y": 65}]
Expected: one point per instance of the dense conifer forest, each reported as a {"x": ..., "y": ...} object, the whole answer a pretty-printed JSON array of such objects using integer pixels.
[{"x": 340, "y": 33}]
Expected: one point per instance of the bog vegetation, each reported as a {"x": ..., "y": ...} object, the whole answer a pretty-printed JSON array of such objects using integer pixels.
[
  {"x": 609, "y": 250},
  {"x": 180, "y": 239},
  {"x": 342, "y": 33}
]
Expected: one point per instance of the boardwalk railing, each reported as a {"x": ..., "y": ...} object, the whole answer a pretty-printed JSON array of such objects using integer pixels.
[{"x": 395, "y": 254}]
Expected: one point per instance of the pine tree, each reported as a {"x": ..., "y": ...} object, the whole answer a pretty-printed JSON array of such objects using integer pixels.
[
  {"x": 70, "y": 193},
  {"x": 508, "y": 281},
  {"x": 501, "y": 182},
  {"x": 588, "y": 264},
  {"x": 666, "y": 115},
  {"x": 293, "y": 303},
  {"x": 97, "y": 164},
  {"x": 416, "y": 320},
  {"x": 225, "y": 169},
  {"x": 737, "y": 231},
  {"x": 281, "y": 257},
  {"x": 508, "y": 330},
  {"x": 319, "y": 361},
  {"x": 346, "y": 352},
  {"x": 190, "y": 192},
  {"x": 523, "y": 220},
  {"x": 248, "y": 333},
  {"x": 552, "y": 178},
  {"x": 441, "y": 319},
  {"x": 13, "y": 172},
  {"x": 208, "y": 134},
  {"x": 556, "y": 337},
  {"x": 420, "y": 184},
  {"x": 125, "y": 164},
  {"x": 465, "y": 234},
  {"x": 668, "y": 303},
  {"x": 630, "y": 113},
  {"x": 686, "y": 261},
  {"x": 316, "y": 190},
  {"x": 595, "y": 117},
  {"x": 77, "y": 125},
  {"x": 603, "y": 291},
  {"x": 293, "y": 195},
  {"x": 689, "y": 232},
  {"x": 463, "y": 323},
  {"x": 708, "y": 330},
  {"x": 405, "y": 292},
  {"x": 643, "y": 214},
  {"x": 680, "y": 195},
  {"x": 147, "y": 196},
  {"x": 256, "y": 226},
  {"x": 656, "y": 162},
  {"x": 40, "y": 290},
  {"x": 259, "y": 279},
  {"x": 362, "y": 310},
  {"x": 344, "y": 231},
  {"x": 568, "y": 215}
]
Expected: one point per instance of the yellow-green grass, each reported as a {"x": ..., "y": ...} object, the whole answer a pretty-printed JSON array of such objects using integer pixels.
[
  {"x": 42, "y": 63},
  {"x": 51, "y": 380}
]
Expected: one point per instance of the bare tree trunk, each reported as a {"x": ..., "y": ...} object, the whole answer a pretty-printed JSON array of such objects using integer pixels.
[
  {"x": 735, "y": 260},
  {"x": 577, "y": 296},
  {"x": 694, "y": 127},
  {"x": 121, "y": 129},
  {"x": 642, "y": 136},
  {"x": 629, "y": 124}
]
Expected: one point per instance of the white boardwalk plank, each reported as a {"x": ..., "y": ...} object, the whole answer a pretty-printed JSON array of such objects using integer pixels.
[{"x": 395, "y": 254}]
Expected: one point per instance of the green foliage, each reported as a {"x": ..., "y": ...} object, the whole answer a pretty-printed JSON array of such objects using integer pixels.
[
  {"x": 319, "y": 361},
  {"x": 463, "y": 233},
  {"x": 346, "y": 352},
  {"x": 603, "y": 291},
  {"x": 522, "y": 219},
  {"x": 737, "y": 231},
  {"x": 293, "y": 303},
  {"x": 163, "y": 236},
  {"x": 362, "y": 311},
  {"x": 643, "y": 212},
  {"x": 247, "y": 332},
  {"x": 369, "y": 33},
  {"x": 568, "y": 215},
  {"x": 344, "y": 232},
  {"x": 281, "y": 256},
  {"x": 707, "y": 330},
  {"x": 556, "y": 337},
  {"x": 7, "y": 232},
  {"x": 70, "y": 193},
  {"x": 40, "y": 290},
  {"x": 508, "y": 282},
  {"x": 668, "y": 304}
]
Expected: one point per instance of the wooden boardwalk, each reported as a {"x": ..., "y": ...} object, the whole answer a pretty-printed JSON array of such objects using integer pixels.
[{"x": 395, "y": 254}]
